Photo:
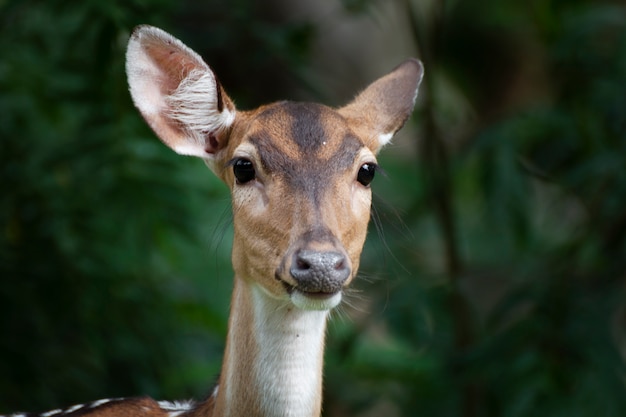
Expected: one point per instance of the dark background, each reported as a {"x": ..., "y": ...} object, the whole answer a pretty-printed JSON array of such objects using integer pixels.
[{"x": 494, "y": 284}]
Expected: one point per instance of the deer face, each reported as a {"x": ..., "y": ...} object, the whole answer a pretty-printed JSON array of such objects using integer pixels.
[
  {"x": 299, "y": 177},
  {"x": 299, "y": 173}
]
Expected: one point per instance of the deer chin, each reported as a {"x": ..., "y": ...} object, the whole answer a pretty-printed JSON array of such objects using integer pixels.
[{"x": 316, "y": 301}]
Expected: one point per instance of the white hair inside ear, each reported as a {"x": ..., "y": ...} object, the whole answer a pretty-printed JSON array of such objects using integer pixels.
[{"x": 194, "y": 104}]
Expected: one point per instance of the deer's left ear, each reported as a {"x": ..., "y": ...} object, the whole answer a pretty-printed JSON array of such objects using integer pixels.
[{"x": 380, "y": 110}]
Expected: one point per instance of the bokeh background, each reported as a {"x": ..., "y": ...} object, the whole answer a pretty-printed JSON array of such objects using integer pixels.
[{"x": 494, "y": 278}]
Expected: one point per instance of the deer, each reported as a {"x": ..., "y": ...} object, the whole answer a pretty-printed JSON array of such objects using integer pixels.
[{"x": 300, "y": 177}]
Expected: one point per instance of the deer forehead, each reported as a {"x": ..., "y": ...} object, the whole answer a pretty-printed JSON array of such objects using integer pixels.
[{"x": 302, "y": 142}]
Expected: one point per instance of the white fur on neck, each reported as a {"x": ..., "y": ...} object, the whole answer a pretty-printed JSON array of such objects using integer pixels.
[{"x": 289, "y": 363}]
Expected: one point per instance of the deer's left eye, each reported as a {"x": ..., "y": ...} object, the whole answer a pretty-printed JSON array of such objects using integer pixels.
[
  {"x": 366, "y": 173},
  {"x": 243, "y": 170}
]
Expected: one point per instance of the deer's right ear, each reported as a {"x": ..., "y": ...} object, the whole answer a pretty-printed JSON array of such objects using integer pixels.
[{"x": 177, "y": 93}]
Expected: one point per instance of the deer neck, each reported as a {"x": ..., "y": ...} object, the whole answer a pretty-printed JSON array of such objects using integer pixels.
[{"x": 273, "y": 359}]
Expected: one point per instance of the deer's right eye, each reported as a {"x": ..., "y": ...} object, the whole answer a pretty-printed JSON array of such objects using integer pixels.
[{"x": 243, "y": 170}]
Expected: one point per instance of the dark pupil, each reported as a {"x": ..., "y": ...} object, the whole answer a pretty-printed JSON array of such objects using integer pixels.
[
  {"x": 366, "y": 174},
  {"x": 243, "y": 170}
]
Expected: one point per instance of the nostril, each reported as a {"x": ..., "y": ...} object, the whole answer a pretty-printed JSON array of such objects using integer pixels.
[
  {"x": 302, "y": 264},
  {"x": 340, "y": 264}
]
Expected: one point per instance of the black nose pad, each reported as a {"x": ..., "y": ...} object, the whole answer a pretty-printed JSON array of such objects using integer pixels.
[{"x": 316, "y": 271}]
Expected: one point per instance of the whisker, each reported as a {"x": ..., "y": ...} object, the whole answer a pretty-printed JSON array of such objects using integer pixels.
[
  {"x": 218, "y": 234},
  {"x": 376, "y": 219}
]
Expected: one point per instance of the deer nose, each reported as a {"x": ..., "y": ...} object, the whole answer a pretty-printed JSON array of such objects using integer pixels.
[{"x": 319, "y": 272}]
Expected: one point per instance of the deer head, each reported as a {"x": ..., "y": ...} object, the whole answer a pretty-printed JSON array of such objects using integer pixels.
[{"x": 299, "y": 173}]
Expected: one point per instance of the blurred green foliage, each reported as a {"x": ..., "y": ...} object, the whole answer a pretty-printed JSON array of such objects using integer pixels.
[
  {"x": 87, "y": 260},
  {"x": 495, "y": 287}
]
